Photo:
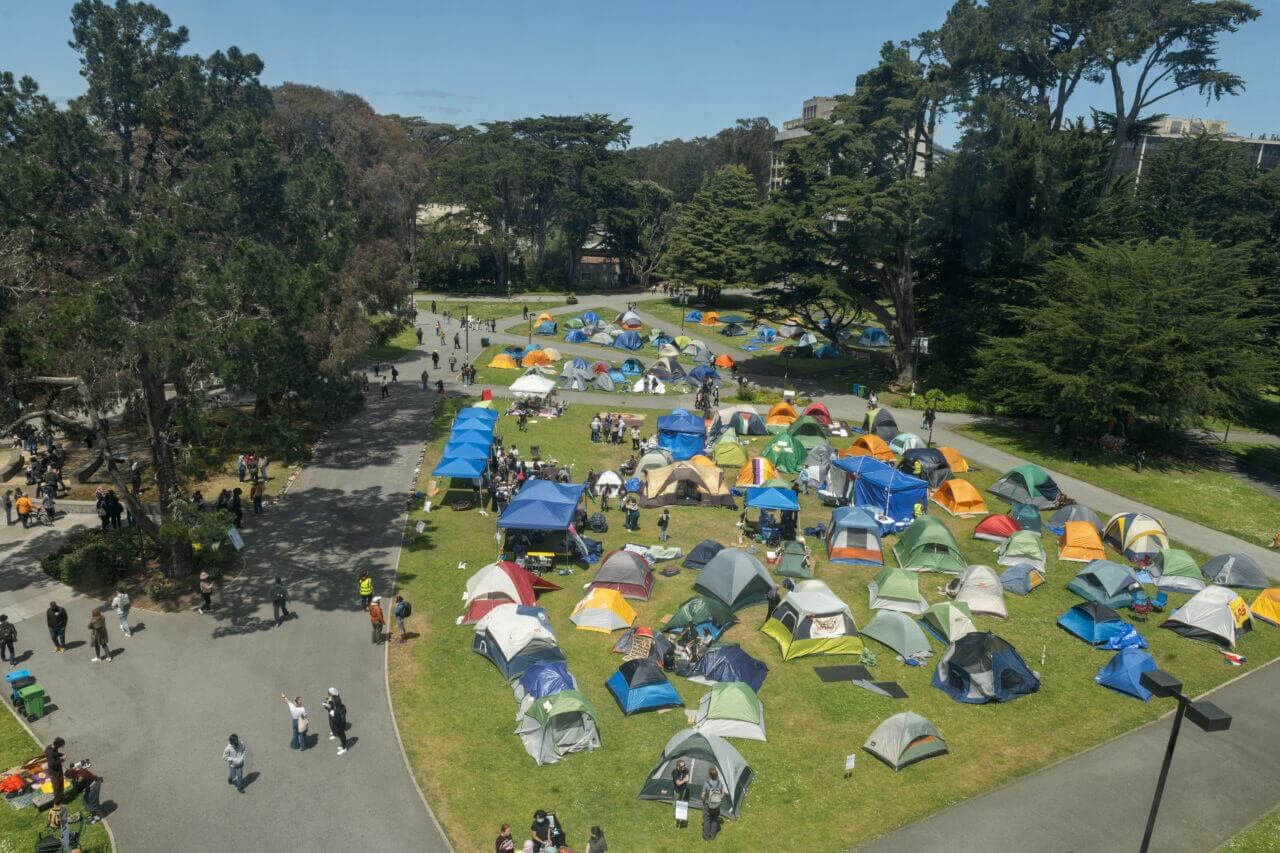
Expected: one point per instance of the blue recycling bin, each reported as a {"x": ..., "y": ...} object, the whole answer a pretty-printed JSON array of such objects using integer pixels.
[{"x": 857, "y": 390}]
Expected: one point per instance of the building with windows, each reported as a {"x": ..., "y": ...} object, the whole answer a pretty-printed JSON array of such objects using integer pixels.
[
  {"x": 814, "y": 108},
  {"x": 1264, "y": 153}
]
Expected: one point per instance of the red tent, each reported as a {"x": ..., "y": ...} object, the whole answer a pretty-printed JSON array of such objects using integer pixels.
[
  {"x": 627, "y": 572},
  {"x": 819, "y": 413},
  {"x": 600, "y": 367},
  {"x": 997, "y": 528},
  {"x": 501, "y": 583}
]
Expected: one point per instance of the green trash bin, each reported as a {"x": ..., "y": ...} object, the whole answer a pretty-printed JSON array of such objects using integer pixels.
[{"x": 32, "y": 701}]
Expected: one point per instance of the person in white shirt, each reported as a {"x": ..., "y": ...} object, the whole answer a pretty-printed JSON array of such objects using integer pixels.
[
  {"x": 233, "y": 754},
  {"x": 122, "y": 604},
  {"x": 298, "y": 722}
]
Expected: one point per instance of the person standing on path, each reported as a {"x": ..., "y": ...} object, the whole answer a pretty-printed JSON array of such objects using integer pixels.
[
  {"x": 237, "y": 509},
  {"x": 121, "y": 604},
  {"x": 375, "y": 618},
  {"x": 453, "y": 364},
  {"x": 256, "y": 492},
  {"x": 297, "y": 721},
  {"x": 53, "y": 758},
  {"x": 457, "y": 341},
  {"x": 23, "y": 505},
  {"x": 435, "y": 360},
  {"x": 241, "y": 467},
  {"x": 8, "y": 637},
  {"x": 664, "y": 521},
  {"x": 426, "y": 380},
  {"x": 402, "y": 611},
  {"x": 206, "y": 593},
  {"x": 365, "y": 585},
  {"x": 337, "y": 719},
  {"x": 385, "y": 386},
  {"x": 279, "y": 602},
  {"x": 98, "y": 636},
  {"x": 233, "y": 755},
  {"x": 418, "y": 333},
  {"x": 8, "y": 508},
  {"x": 56, "y": 618}
]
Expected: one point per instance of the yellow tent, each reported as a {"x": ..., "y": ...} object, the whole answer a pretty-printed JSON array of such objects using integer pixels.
[
  {"x": 782, "y": 414},
  {"x": 1267, "y": 606},
  {"x": 603, "y": 610},
  {"x": 535, "y": 358},
  {"x": 543, "y": 317},
  {"x": 710, "y": 318},
  {"x": 959, "y": 497},
  {"x": 870, "y": 445},
  {"x": 957, "y": 463},
  {"x": 504, "y": 362},
  {"x": 1080, "y": 543}
]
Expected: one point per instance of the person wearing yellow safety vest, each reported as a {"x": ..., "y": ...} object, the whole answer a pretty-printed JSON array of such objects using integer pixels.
[
  {"x": 917, "y": 510},
  {"x": 366, "y": 590},
  {"x": 917, "y": 470}
]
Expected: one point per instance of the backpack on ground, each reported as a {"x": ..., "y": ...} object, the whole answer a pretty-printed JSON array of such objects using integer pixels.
[{"x": 598, "y": 523}]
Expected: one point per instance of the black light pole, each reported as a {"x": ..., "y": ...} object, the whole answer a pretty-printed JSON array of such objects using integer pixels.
[{"x": 1206, "y": 715}]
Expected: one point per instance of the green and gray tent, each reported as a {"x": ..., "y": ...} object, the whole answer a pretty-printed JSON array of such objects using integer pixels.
[
  {"x": 731, "y": 709},
  {"x": 699, "y": 610},
  {"x": 898, "y": 632},
  {"x": 700, "y": 752},
  {"x": 905, "y": 739},
  {"x": 1106, "y": 583},
  {"x": 807, "y": 430},
  {"x": 1027, "y": 484},
  {"x": 928, "y": 546},
  {"x": 735, "y": 578},
  {"x": 1177, "y": 571},
  {"x": 1024, "y": 546},
  {"x": 557, "y": 725},
  {"x": 794, "y": 562},
  {"x": 949, "y": 621},
  {"x": 896, "y": 589},
  {"x": 727, "y": 452},
  {"x": 786, "y": 453}
]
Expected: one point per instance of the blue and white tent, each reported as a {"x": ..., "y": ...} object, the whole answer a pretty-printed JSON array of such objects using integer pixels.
[
  {"x": 629, "y": 340},
  {"x": 542, "y": 505},
  {"x": 892, "y": 495},
  {"x": 873, "y": 337},
  {"x": 639, "y": 686},
  {"x": 772, "y": 497}
]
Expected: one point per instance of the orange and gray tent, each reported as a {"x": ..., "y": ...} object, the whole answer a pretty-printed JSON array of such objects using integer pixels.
[
  {"x": 1215, "y": 614},
  {"x": 502, "y": 361},
  {"x": 854, "y": 537},
  {"x": 904, "y": 739},
  {"x": 682, "y": 482},
  {"x": 957, "y": 463},
  {"x": 756, "y": 471},
  {"x": 1080, "y": 543},
  {"x": 603, "y": 610},
  {"x": 959, "y": 497},
  {"x": 627, "y": 572},
  {"x": 723, "y": 361},
  {"x": 1267, "y": 606},
  {"x": 1139, "y": 537},
  {"x": 870, "y": 445},
  {"x": 782, "y": 414}
]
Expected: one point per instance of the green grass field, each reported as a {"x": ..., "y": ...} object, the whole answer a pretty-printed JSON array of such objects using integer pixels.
[
  {"x": 1264, "y": 458},
  {"x": 1212, "y": 498},
  {"x": 20, "y": 828},
  {"x": 401, "y": 344},
  {"x": 1262, "y": 837},
  {"x": 457, "y": 714},
  {"x": 489, "y": 309}
]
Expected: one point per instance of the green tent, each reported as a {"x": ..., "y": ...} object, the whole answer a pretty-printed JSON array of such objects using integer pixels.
[
  {"x": 731, "y": 709},
  {"x": 898, "y": 632},
  {"x": 896, "y": 589},
  {"x": 928, "y": 546},
  {"x": 558, "y": 724},
  {"x": 728, "y": 452},
  {"x": 682, "y": 341},
  {"x": 808, "y": 431},
  {"x": 794, "y": 562},
  {"x": 775, "y": 483},
  {"x": 699, "y": 609},
  {"x": 1177, "y": 571},
  {"x": 1027, "y": 484},
  {"x": 1024, "y": 546},
  {"x": 949, "y": 621},
  {"x": 786, "y": 454},
  {"x": 575, "y": 323}
]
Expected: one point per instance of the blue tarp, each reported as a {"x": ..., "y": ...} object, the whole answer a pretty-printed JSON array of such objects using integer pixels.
[
  {"x": 542, "y": 505},
  {"x": 632, "y": 485},
  {"x": 859, "y": 465},
  {"x": 546, "y": 327},
  {"x": 476, "y": 412},
  {"x": 891, "y": 493},
  {"x": 629, "y": 340},
  {"x": 576, "y": 336},
  {"x": 543, "y": 679},
  {"x": 580, "y": 363},
  {"x": 590, "y": 317},
  {"x": 1124, "y": 671},
  {"x": 682, "y": 433},
  {"x": 1093, "y": 623},
  {"x": 459, "y": 467},
  {"x": 730, "y": 663},
  {"x": 703, "y": 372},
  {"x": 529, "y": 348},
  {"x": 771, "y": 497},
  {"x": 693, "y": 317}
]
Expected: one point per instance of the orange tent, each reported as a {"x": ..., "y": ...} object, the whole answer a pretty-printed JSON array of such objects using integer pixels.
[
  {"x": 1080, "y": 543},
  {"x": 504, "y": 362},
  {"x": 957, "y": 463},
  {"x": 782, "y": 414},
  {"x": 959, "y": 497},
  {"x": 710, "y": 318},
  {"x": 870, "y": 445},
  {"x": 535, "y": 358},
  {"x": 756, "y": 471},
  {"x": 543, "y": 317},
  {"x": 702, "y": 459},
  {"x": 723, "y": 361}
]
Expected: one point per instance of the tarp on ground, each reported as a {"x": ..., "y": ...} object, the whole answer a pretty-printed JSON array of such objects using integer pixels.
[{"x": 542, "y": 505}]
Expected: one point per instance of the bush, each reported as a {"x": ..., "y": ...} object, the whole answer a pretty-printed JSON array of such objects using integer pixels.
[
  {"x": 159, "y": 587},
  {"x": 97, "y": 557},
  {"x": 384, "y": 327}
]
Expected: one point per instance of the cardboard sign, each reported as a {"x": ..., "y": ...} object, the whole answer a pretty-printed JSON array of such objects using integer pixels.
[
  {"x": 237, "y": 541},
  {"x": 682, "y": 811},
  {"x": 421, "y": 526}
]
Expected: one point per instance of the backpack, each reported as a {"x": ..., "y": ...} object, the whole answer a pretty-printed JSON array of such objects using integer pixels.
[
  {"x": 8, "y": 633},
  {"x": 598, "y": 523},
  {"x": 404, "y": 610},
  {"x": 715, "y": 797}
]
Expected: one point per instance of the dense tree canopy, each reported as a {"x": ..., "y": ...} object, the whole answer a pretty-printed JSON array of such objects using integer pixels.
[{"x": 713, "y": 243}]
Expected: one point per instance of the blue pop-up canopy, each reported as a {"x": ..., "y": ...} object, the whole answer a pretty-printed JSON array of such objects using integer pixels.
[
  {"x": 771, "y": 497},
  {"x": 459, "y": 466},
  {"x": 682, "y": 433},
  {"x": 466, "y": 448},
  {"x": 542, "y": 505},
  {"x": 473, "y": 431},
  {"x": 890, "y": 493},
  {"x": 476, "y": 412}
]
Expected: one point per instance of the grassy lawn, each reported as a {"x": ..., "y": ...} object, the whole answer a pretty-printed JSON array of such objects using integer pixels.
[
  {"x": 20, "y": 828},
  {"x": 400, "y": 345},
  {"x": 1263, "y": 415},
  {"x": 1263, "y": 457},
  {"x": 457, "y": 714},
  {"x": 670, "y": 311},
  {"x": 1262, "y": 837},
  {"x": 490, "y": 309},
  {"x": 1207, "y": 496}
]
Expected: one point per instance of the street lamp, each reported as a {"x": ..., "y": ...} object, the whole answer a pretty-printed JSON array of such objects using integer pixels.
[{"x": 1206, "y": 715}]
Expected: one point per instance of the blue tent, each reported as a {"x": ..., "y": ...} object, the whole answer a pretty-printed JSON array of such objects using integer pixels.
[
  {"x": 488, "y": 646},
  {"x": 617, "y": 376},
  {"x": 772, "y": 497},
  {"x": 703, "y": 372},
  {"x": 464, "y": 450},
  {"x": 632, "y": 485},
  {"x": 472, "y": 434},
  {"x": 543, "y": 679},
  {"x": 682, "y": 433},
  {"x": 731, "y": 663},
  {"x": 590, "y": 317},
  {"x": 1124, "y": 671},
  {"x": 765, "y": 334},
  {"x": 546, "y": 327},
  {"x": 471, "y": 423},
  {"x": 733, "y": 330},
  {"x": 629, "y": 340},
  {"x": 529, "y": 348},
  {"x": 693, "y": 317},
  {"x": 827, "y": 351},
  {"x": 639, "y": 685},
  {"x": 632, "y": 367},
  {"x": 459, "y": 466},
  {"x": 1092, "y": 622},
  {"x": 515, "y": 352},
  {"x": 476, "y": 412},
  {"x": 1027, "y": 516},
  {"x": 873, "y": 337},
  {"x": 576, "y": 336},
  {"x": 890, "y": 493},
  {"x": 980, "y": 667},
  {"x": 542, "y": 505},
  {"x": 580, "y": 363}
]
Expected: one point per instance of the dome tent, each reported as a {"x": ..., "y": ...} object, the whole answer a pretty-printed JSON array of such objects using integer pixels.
[
  {"x": 1080, "y": 542},
  {"x": 980, "y": 589},
  {"x": 1022, "y": 547},
  {"x": 1123, "y": 673},
  {"x": 1176, "y": 571},
  {"x": 1028, "y": 484},
  {"x": 897, "y": 631},
  {"x": 880, "y": 423},
  {"x": 1214, "y": 614},
  {"x": 727, "y": 662},
  {"x": 632, "y": 367},
  {"x": 896, "y": 589},
  {"x": 1266, "y": 606},
  {"x": 728, "y": 452},
  {"x": 959, "y": 498},
  {"x": 746, "y": 423},
  {"x": 782, "y": 414},
  {"x": 700, "y": 611},
  {"x": 735, "y": 578},
  {"x": 546, "y": 327},
  {"x": 497, "y": 584},
  {"x": 639, "y": 686},
  {"x": 996, "y": 528},
  {"x": 603, "y": 610},
  {"x": 1092, "y": 622},
  {"x": 904, "y": 441},
  {"x": 684, "y": 482},
  {"x": 656, "y": 458},
  {"x": 539, "y": 681},
  {"x": 928, "y": 546},
  {"x": 933, "y": 465},
  {"x": 818, "y": 412},
  {"x": 627, "y": 572},
  {"x": 756, "y": 472},
  {"x": 557, "y": 725},
  {"x": 1021, "y": 579},
  {"x": 949, "y": 621},
  {"x": 1074, "y": 512},
  {"x": 957, "y": 463},
  {"x": 1139, "y": 537},
  {"x": 874, "y": 337},
  {"x": 731, "y": 709},
  {"x": 629, "y": 340},
  {"x": 811, "y": 620},
  {"x": 1235, "y": 570},
  {"x": 853, "y": 536},
  {"x": 502, "y": 361},
  {"x": 701, "y": 553},
  {"x": 786, "y": 453},
  {"x": 681, "y": 433},
  {"x": 904, "y": 739},
  {"x": 700, "y": 753},
  {"x": 515, "y": 638},
  {"x": 870, "y": 445},
  {"x": 980, "y": 668},
  {"x": 1105, "y": 582}
]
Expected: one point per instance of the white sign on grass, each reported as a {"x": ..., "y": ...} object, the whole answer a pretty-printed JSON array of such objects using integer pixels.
[
  {"x": 682, "y": 810},
  {"x": 420, "y": 526},
  {"x": 236, "y": 539}
]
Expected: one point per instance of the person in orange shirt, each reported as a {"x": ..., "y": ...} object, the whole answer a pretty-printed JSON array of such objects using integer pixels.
[
  {"x": 375, "y": 617},
  {"x": 24, "y": 507}
]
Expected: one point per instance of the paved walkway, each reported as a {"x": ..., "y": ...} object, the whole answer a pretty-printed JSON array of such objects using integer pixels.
[{"x": 155, "y": 720}]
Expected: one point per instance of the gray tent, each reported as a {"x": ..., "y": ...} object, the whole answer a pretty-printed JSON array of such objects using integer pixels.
[
  {"x": 735, "y": 578},
  {"x": 603, "y": 382},
  {"x": 905, "y": 739},
  {"x": 700, "y": 752},
  {"x": 571, "y": 371},
  {"x": 1106, "y": 583},
  {"x": 898, "y": 631},
  {"x": 627, "y": 572},
  {"x": 574, "y": 383},
  {"x": 557, "y": 725},
  {"x": 656, "y": 458},
  {"x": 820, "y": 456},
  {"x": 1075, "y": 512},
  {"x": 602, "y": 338},
  {"x": 1235, "y": 570},
  {"x": 1021, "y": 578}
]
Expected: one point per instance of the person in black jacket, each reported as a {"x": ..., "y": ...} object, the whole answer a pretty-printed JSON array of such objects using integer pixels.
[
  {"x": 56, "y": 618},
  {"x": 279, "y": 602},
  {"x": 337, "y": 719},
  {"x": 8, "y": 637}
]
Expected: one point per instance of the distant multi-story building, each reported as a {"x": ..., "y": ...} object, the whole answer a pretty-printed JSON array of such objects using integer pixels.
[
  {"x": 814, "y": 108},
  {"x": 1264, "y": 153}
]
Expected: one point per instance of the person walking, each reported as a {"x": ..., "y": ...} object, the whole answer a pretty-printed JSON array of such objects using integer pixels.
[
  {"x": 256, "y": 492},
  {"x": 279, "y": 602},
  {"x": 337, "y": 719},
  {"x": 365, "y": 585},
  {"x": 56, "y": 618},
  {"x": 8, "y": 508},
  {"x": 712, "y": 798},
  {"x": 395, "y": 374},
  {"x": 236, "y": 507},
  {"x": 453, "y": 364},
  {"x": 596, "y": 843},
  {"x": 233, "y": 754},
  {"x": 298, "y": 722},
  {"x": 457, "y": 341},
  {"x": 426, "y": 380},
  {"x": 206, "y": 593},
  {"x": 435, "y": 360},
  {"x": 376, "y": 620},
  {"x": 635, "y": 438},
  {"x": 24, "y": 507},
  {"x": 385, "y": 386},
  {"x": 98, "y": 636},
  {"x": 262, "y": 467},
  {"x": 8, "y": 638},
  {"x": 402, "y": 611},
  {"x": 418, "y": 333},
  {"x": 121, "y": 604},
  {"x": 664, "y": 521}
]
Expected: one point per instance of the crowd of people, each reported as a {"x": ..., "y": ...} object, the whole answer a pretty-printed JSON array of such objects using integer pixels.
[{"x": 546, "y": 835}]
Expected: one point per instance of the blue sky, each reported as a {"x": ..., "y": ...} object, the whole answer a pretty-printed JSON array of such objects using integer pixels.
[{"x": 674, "y": 68}]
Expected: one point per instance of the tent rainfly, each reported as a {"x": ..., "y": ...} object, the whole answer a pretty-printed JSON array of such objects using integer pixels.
[
  {"x": 627, "y": 572},
  {"x": 727, "y": 663},
  {"x": 558, "y": 725},
  {"x": 980, "y": 668},
  {"x": 811, "y": 620},
  {"x": 1022, "y": 547},
  {"x": 1028, "y": 484},
  {"x": 1215, "y": 614},
  {"x": 1139, "y": 537},
  {"x": 853, "y": 536},
  {"x": 1236, "y": 570},
  {"x": 731, "y": 709},
  {"x": 904, "y": 739},
  {"x": 949, "y": 621},
  {"x": 1080, "y": 542}
]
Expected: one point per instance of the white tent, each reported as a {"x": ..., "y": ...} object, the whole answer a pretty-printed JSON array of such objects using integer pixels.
[
  {"x": 533, "y": 386},
  {"x": 608, "y": 478},
  {"x": 668, "y": 350},
  {"x": 656, "y": 384},
  {"x": 980, "y": 588}
]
